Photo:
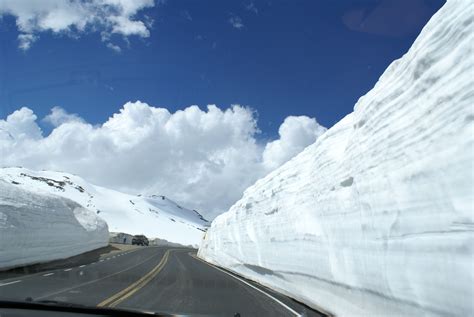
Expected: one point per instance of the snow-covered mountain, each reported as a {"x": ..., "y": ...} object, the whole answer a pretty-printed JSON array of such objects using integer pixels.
[
  {"x": 154, "y": 216},
  {"x": 38, "y": 227},
  {"x": 376, "y": 218}
]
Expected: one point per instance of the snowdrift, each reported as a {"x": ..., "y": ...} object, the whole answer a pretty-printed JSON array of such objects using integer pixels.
[
  {"x": 153, "y": 216},
  {"x": 376, "y": 217},
  {"x": 38, "y": 227}
]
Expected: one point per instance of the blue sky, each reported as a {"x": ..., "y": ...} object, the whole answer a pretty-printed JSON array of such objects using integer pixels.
[{"x": 313, "y": 58}]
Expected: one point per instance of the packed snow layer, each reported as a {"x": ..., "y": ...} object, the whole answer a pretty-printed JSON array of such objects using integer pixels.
[
  {"x": 38, "y": 227},
  {"x": 376, "y": 217},
  {"x": 153, "y": 216}
]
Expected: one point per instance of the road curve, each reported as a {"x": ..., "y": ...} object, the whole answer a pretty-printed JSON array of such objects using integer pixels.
[{"x": 170, "y": 280}]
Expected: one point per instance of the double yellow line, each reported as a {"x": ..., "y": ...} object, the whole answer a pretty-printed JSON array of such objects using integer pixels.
[{"x": 135, "y": 287}]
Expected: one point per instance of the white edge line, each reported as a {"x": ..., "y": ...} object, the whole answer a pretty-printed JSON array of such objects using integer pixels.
[
  {"x": 82, "y": 265},
  {"x": 48, "y": 274},
  {"x": 67, "y": 270},
  {"x": 13, "y": 282},
  {"x": 256, "y": 288}
]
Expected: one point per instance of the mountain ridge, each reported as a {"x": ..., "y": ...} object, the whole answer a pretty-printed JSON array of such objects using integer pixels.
[{"x": 153, "y": 215}]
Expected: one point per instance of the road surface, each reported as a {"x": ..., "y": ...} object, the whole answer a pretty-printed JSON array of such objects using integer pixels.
[{"x": 169, "y": 280}]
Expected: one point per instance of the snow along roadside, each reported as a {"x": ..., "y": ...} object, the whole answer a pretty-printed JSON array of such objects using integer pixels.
[
  {"x": 153, "y": 216},
  {"x": 37, "y": 227}
]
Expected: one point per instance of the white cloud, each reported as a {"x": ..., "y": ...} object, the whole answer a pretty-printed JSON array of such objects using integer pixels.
[
  {"x": 26, "y": 40},
  {"x": 114, "y": 47},
  {"x": 123, "y": 25},
  {"x": 296, "y": 133},
  {"x": 251, "y": 7},
  {"x": 59, "y": 116},
  {"x": 21, "y": 125},
  {"x": 236, "y": 22},
  {"x": 201, "y": 158},
  {"x": 71, "y": 17}
]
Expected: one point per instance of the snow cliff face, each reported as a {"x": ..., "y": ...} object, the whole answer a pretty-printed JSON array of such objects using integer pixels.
[
  {"x": 375, "y": 218},
  {"x": 38, "y": 227},
  {"x": 153, "y": 216}
]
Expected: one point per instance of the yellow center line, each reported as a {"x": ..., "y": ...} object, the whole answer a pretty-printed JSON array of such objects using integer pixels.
[{"x": 136, "y": 286}]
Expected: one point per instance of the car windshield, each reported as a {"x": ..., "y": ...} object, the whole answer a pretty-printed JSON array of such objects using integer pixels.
[{"x": 237, "y": 158}]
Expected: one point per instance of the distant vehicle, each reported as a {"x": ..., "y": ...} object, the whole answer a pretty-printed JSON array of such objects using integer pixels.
[{"x": 140, "y": 240}]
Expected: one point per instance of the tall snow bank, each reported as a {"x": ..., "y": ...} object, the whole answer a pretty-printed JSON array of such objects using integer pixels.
[
  {"x": 37, "y": 227},
  {"x": 376, "y": 217},
  {"x": 154, "y": 216}
]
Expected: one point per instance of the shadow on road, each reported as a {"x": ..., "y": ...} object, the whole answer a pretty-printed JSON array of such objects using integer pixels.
[{"x": 77, "y": 260}]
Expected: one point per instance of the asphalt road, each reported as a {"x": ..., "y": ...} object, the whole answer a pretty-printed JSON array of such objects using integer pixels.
[{"x": 160, "y": 279}]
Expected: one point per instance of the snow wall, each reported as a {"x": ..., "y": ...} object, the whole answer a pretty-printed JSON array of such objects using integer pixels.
[
  {"x": 153, "y": 216},
  {"x": 376, "y": 217},
  {"x": 38, "y": 227}
]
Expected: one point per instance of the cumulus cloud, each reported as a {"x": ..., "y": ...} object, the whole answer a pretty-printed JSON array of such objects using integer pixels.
[
  {"x": 58, "y": 116},
  {"x": 296, "y": 133},
  {"x": 202, "y": 158},
  {"x": 21, "y": 125},
  {"x": 73, "y": 17}
]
